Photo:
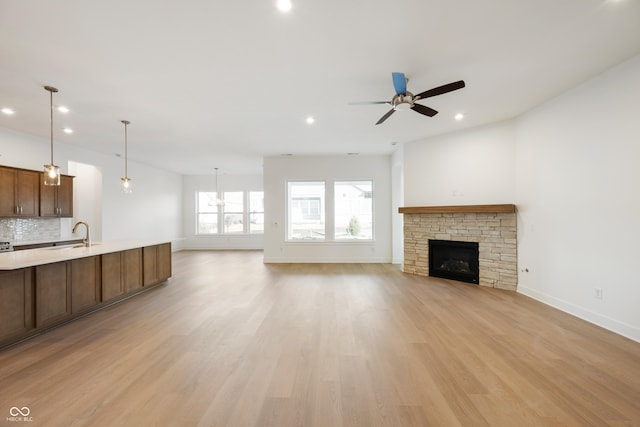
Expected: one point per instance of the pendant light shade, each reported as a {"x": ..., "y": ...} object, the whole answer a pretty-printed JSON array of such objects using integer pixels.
[
  {"x": 125, "y": 184},
  {"x": 51, "y": 171}
]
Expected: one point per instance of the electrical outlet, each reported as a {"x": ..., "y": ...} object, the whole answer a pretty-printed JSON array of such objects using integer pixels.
[{"x": 598, "y": 293}]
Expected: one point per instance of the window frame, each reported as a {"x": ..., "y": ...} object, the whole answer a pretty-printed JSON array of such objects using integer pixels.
[
  {"x": 220, "y": 213},
  {"x": 373, "y": 228},
  {"x": 322, "y": 210},
  {"x": 328, "y": 210}
]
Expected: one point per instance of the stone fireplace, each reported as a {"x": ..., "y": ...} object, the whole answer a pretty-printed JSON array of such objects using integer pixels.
[{"x": 493, "y": 227}]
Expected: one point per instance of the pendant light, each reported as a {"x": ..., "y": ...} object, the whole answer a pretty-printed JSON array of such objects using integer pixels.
[
  {"x": 126, "y": 181},
  {"x": 219, "y": 200},
  {"x": 51, "y": 171}
]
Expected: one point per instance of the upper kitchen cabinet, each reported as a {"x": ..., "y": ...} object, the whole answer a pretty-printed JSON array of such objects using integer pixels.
[
  {"x": 19, "y": 192},
  {"x": 57, "y": 200}
]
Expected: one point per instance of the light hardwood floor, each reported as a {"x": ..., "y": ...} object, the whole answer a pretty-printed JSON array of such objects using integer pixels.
[{"x": 230, "y": 341}]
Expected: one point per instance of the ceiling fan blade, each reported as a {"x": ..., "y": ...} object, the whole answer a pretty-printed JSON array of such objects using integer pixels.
[
  {"x": 441, "y": 89},
  {"x": 399, "y": 83},
  {"x": 424, "y": 110},
  {"x": 369, "y": 102},
  {"x": 386, "y": 116}
]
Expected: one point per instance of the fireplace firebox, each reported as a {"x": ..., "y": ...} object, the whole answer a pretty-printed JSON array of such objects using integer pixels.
[{"x": 454, "y": 260}]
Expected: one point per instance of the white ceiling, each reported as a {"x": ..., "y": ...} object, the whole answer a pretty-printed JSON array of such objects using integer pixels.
[{"x": 210, "y": 84}]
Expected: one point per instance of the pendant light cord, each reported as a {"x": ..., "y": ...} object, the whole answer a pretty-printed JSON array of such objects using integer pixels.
[
  {"x": 51, "y": 121},
  {"x": 126, "y": 155},
  {"x": 126, "y": 148}
]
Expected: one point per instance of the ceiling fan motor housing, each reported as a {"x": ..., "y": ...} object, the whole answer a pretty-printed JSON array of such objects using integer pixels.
[{"x": 402, "y": 101}]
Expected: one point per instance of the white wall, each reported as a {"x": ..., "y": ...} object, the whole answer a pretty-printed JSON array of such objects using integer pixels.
[
  {"x": 571, "y": 168},
  {"x": 279, "y": 170},
  {"x": 578, "y": 200},
  {"x": 152, "y": 211},
  {"x": 194, "y": 183},
  {"x": 472, "y": 167},
  {"x": 397, "y": 201},
  {"x": 87, "y": 199}
]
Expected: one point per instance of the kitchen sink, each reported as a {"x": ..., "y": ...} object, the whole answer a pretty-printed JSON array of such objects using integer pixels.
[{"x": 80, "y": 245}]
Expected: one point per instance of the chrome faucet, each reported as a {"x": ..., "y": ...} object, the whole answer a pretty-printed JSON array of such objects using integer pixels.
[{"x": 87, "y": 237}]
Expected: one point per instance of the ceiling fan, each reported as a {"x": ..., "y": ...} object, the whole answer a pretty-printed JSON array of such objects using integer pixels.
[{"x": 403, "y": 99}]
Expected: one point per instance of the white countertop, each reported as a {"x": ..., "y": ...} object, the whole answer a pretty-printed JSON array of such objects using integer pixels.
[{"x": 32, "y": 257}]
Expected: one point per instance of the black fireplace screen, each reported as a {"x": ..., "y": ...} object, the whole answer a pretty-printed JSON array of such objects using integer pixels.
[{"x": 454, "y": 260}]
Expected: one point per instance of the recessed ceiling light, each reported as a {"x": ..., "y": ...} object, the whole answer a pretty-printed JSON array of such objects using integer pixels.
[
  {"x": 459, "y": 116},
  {"x": 284, "y": 5},
  {"x": 63, "y": 109},
  {"x": 8, "y": 111},
  {"x": 67, "y": 130},
  {"x": 310, "y": 120}
]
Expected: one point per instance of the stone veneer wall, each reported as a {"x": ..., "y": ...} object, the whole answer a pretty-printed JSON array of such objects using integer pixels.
[{"x": 494, "y": 232}]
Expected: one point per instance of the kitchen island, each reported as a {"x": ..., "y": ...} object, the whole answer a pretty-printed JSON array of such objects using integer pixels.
[{"x": 44, "y": 288}]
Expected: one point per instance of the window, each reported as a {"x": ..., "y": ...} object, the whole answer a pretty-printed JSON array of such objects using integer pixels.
[
  {"x": 353, "y": 210},
  {"x": 256, "y": 212},
  {"x": 237, "y": 212},
  {"x": 347, "y": 205},
  {"x": 306, "y": 200},
  {"x": 207, "y": 213},
  {"x": 233, "y": 212}
]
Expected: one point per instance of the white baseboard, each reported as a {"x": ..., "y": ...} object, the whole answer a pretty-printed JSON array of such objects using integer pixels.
[
  {"x": 327, "y": 260},
  {"x": 606, "y": 322}
]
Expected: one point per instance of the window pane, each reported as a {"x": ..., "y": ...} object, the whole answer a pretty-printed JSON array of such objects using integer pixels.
[
  {"x": 256, "y": 212},
  {"x": 233, "y": 201},
  {"x": 207, "y": 202},
  {"x": 207, "y": 223},
  {"x": 256, "y": 223},
  {"x": 306, "y": 210},
  {"x": 233, "y": 224},
  {"x": 233, "y": 212},
  {"x": 206, "y": 217},
  {"x": 353, "y": 210}
]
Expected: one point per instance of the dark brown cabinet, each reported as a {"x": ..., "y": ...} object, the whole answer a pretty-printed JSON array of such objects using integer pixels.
[
  {"x": 112, "y": 285},
  {"x": 132, "y": 269},
  {"x": 16, "y": 303},
  {"x": 66, "y": 288},
  {"x": 53, "y": 294},
  {"x": 57, "y": 201},
  {"x": 85, "y": 283},
  {"x": 19, "y": 192},
  {"x": 156, "y": 263},
  {"x": 36, "y": 298},
  {"x": 121, "y": 273}
]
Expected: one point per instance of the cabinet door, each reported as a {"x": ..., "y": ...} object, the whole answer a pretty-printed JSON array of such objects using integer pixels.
[
  {"x": 112, "y": 285},
  {"x": 16, "y": 303},
  {"x": 65, "y": 196},
  {"x": 132, "y": 269},
  {"x": 53, "y": 294},
  {"x": 57, "y": 200},
  {"x": 85, "y": 283},
  {"x": 150, "y": 265},
  {"x": 47, "y": 199},
  {"x": 7, "y": 192},
  {"x": 164, "y": 261},
  {"x": 28, "y": 193}
]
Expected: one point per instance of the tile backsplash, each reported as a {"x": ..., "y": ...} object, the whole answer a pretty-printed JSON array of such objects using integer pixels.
[{"x": 17, "y": 230}]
